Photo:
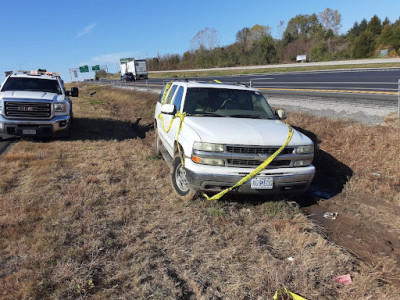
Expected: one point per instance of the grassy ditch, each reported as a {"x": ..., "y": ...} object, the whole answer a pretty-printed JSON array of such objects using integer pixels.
[
  {"x": 300, "y": 68},
  {"x": 94, "y": 216}
]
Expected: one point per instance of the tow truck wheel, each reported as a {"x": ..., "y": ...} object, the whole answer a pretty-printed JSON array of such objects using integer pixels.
[{"x": 179, "y": 181}]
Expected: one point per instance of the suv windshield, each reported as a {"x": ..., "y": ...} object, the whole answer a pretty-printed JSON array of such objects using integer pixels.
[
  {"x": 227, "y": 102},
  {"x": 32, "y": 84}
]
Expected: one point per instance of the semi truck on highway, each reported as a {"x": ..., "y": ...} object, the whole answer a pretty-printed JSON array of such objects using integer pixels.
[{"x": 133, "y": 69}]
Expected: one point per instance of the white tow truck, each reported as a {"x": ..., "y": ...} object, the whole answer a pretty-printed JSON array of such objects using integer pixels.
[
  {"x": 224, "y": 132},
  {"x": 35, "y": 104}
]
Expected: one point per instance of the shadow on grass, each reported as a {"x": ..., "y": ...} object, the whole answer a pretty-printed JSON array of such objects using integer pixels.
[
  {"x": 330, "y": 177},
  {"x": 107, "y": 129}
]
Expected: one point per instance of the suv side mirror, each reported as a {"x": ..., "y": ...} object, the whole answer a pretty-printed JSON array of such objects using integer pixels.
[
  {"x": 281, "y": 114},
  {"x": 168, "y": 109}
]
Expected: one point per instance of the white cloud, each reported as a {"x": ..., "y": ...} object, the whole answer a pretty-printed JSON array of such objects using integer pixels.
[{"x": 87, "y": 29}]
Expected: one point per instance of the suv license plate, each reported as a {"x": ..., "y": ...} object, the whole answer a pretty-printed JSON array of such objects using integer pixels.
[
  {"x": 29, "y": 131},
  {"x": 262, "y": 183}
]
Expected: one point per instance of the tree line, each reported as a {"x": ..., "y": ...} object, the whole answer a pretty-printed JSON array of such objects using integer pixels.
[{"x": 317, "y": 36}]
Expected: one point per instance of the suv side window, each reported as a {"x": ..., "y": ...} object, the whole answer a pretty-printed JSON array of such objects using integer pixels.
[
  {"x": 171, "y": 93},
  {"x": 178, "y": 98}
]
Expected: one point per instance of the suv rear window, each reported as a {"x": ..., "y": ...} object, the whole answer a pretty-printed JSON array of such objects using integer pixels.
[{"x": 32, "y": 84}]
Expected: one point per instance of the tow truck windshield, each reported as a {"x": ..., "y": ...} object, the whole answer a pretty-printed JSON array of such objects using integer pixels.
[{"x": 32, "y": 84}]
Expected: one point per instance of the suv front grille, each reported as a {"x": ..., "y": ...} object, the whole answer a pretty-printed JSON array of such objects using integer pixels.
[
  {"x": 37, "y": 110},
  {"x": 256, "y": 163},
  {"x": 258, "y": 150}
]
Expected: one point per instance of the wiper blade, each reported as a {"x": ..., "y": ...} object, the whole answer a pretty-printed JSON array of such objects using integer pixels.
[
  {"x": 247, "y": 116},
  {"x": 206, "y": 113}
]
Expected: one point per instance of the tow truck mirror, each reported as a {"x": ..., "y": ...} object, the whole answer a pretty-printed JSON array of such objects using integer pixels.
[
  {"x": 74, "y": 92},
  {"x": 168, "y": 109},
  {"x": 281, "y": 114}
]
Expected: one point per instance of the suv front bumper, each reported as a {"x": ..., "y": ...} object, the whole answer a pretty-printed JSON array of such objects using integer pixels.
[
  {"x": 57, "y": 126},
  {"x": 215, "y": 179}
]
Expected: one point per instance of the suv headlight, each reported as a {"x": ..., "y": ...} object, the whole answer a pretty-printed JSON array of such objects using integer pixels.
[
  {"x": 209, "y": 147},
  {"x": 208, "y": 161},
  {"x": 305, "y": 149}
]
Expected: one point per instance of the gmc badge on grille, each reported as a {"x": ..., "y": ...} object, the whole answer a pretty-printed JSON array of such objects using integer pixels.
[{"x": 27, "y": 108}]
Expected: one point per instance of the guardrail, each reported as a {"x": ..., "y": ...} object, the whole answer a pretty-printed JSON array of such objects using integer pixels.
[{"x": 133, "y": 84}]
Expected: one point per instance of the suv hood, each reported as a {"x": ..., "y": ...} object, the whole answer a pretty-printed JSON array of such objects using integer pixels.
[
  {"x": 32, "y": 95},
  {"x": 243, "y": 131}
]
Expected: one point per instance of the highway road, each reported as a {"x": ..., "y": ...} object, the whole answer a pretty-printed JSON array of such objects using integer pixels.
[{"x": 379, "y": 84}]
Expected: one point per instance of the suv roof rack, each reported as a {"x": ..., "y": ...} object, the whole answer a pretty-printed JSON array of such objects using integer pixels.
[{"x": 245, "y": 84}]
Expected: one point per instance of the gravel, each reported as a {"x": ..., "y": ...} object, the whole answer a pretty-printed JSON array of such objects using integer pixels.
[{"x": 336, "y": 108}]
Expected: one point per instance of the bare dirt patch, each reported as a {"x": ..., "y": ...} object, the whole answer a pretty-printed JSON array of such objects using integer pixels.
[
  {"x": 94, "y": 217},
  {"x": 360, "y": 179}
]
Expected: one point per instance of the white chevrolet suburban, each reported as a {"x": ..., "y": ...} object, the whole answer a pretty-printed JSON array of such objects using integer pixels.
[
  {"x": 225, "y": 131},
  {"x": 35, "y": 103}
]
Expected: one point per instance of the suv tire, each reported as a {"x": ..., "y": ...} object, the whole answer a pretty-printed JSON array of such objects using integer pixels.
[{"x": 179, "y": 181}]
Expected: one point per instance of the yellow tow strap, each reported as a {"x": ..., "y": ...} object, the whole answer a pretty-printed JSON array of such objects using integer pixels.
[
  {"x": 164, "y": 96},
  {"x": 256, "y": 170},
  {"x": 181, "y": 117},
  {"x": 285, "y": 291}
]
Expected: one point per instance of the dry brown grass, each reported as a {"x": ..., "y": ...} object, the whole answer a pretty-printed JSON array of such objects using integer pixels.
[{"x": 94, "y": 217}]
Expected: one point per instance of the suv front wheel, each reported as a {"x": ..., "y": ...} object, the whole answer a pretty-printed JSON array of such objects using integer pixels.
[{"x": 179, "y": 181}]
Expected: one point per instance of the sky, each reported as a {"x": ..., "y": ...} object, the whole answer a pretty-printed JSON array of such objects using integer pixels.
[{"x": 62, "y": 35}]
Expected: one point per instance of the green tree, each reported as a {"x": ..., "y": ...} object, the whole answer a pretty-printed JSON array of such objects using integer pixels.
[
  {"x": 357, "y": 29},
  {"x": 302, "y": 26},
  {"x": 318, "y": 51},
  {"x": 265, "y": 50},
  {"x": 386, "y": 22},
  {"x": 390, "y": 36},
  {"x": 257, "y": 32},
  {"x": 375, "y": 25},
  {"x": 364, "y": 45}
]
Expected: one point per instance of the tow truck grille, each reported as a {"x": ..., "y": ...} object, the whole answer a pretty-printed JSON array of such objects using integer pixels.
[
  {"x": 37, "y": 110},
  {"x": 257, "y": 150},
  {"x": 255, "y": 163}
]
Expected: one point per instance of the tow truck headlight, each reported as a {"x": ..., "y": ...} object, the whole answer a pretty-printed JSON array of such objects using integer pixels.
[
  {"x": 305, "y": 149},
  {"x": 60, "y": 107},
  {"x": 209, "y": 147}
]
